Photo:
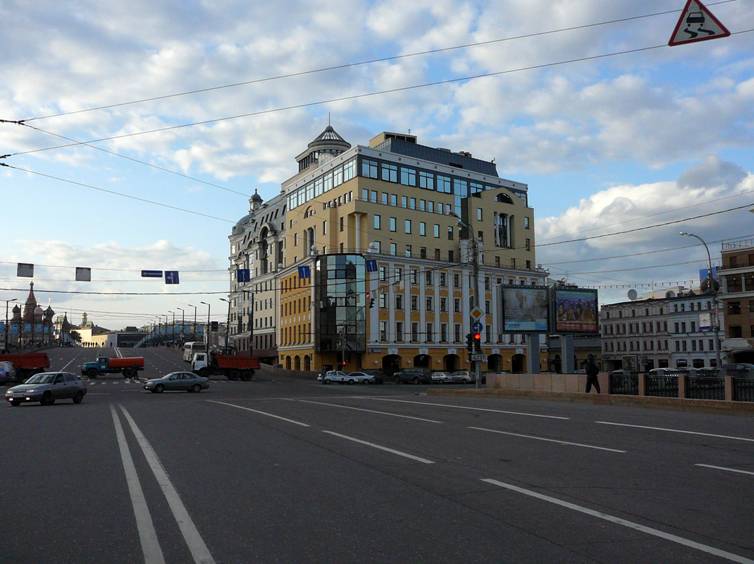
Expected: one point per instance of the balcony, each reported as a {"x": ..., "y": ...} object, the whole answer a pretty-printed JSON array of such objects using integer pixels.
[{"x": 738, "y": 244}]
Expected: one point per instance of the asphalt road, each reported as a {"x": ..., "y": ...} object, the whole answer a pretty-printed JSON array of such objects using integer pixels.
[{"x": 283, "y": 469}]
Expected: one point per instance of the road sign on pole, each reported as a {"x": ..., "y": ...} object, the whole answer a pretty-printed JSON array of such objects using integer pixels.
[
  {"x": 477, "y": 327},
  {"x": 151, "y": 273},
  {"x": 479, "y": 357},
  {"x": 171, "y": 277},
  {"x": 696, "y": 23},
  {"x": 476, "y": 313}
]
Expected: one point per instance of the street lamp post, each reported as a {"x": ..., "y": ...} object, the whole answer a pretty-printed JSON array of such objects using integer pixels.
[
  {"x": 206, "y": 329},
  {"x": 172, "y": 337},
  {"x": 6, "y": 322},
  {"x": 227, "y": 324},
  {"x": 475, "y": 264},
  {"x": 193, "y": 333},
  {"x": 183, "y": 320},
  {"x": 710, "y": 278}
]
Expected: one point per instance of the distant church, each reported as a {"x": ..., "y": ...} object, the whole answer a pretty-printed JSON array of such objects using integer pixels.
[{"x": 33, "y": 327}]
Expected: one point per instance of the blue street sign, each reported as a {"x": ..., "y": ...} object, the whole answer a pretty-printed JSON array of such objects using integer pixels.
[
  {"x": 151, "y": 273},
  {"x": 171, "y": 277},
  {"x": 477, "y": 327},
  {"x": 304, "y": 272},
  {"x": 371, "y": 265},
  {"x": 243, "y": 275}
]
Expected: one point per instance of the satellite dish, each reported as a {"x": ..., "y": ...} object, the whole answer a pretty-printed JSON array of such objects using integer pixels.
[
  {"x": 632, "y": 294},
  {"x": 670, "y": 294}
]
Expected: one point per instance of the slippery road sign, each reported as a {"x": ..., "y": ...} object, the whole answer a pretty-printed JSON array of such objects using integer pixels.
[{"x": 696, "y": 23}]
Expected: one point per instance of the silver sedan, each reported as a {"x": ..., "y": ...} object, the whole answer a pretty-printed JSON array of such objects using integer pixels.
[
  {"x": 186, "y": 381},
  {"x": 46, "y": 388}
]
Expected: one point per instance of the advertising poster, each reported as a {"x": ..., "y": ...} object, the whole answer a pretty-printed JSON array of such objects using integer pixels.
[
  {"x": 576, "y": 311},
  {"x": 525, "y": 309}
]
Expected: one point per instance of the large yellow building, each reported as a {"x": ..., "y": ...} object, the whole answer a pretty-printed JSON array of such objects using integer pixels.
[{"x": 378, "y": 252}]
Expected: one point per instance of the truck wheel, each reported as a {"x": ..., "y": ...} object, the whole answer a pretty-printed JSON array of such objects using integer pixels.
[
  {"x": 245, "y": 376},
  {"x": 128, "y": 373},
  {"x": 233, "y": 375}
]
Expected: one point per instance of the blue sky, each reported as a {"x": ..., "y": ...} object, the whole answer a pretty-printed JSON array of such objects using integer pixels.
[{"x": 602, "y": 144}]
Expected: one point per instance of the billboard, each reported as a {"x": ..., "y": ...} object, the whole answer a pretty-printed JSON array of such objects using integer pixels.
[
  {"x": 525, "y": 309},
  {"x": 705, "y": 321},
  {"x": 576, "y": 311}
]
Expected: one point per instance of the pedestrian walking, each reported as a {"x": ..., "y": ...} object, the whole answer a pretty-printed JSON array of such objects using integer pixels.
[{"x": 591, "y": 375}]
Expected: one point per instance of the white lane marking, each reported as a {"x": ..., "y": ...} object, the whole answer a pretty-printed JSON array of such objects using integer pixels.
[
  {"x": 677, "y": 431},
  {"x": 548, "y": 440},
  {"x": 623, "y": 522},
  {"x": 150, "y": 545},
  {"x": 737, "y": 471},
  {"x": 467, "y": 407},
  {"x": 380, "y": 447},
  {"x": 67, "y": 364},
  {"x": 191, "y": 535},
  {"x": 259, "y": 412},
  {"x": 371, "y": 411}
]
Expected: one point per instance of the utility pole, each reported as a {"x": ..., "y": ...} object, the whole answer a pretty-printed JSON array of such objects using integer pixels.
[
  {"x": 193, "y": 333},
  {"x": 227, "y": 325},
  {"x": 206, "y": 329},
  {"x": 7, "y": 328},
  {"x": 251, "y": 325},
  {"x": 475, "y": 265},
  {"x": 183, "y": 321}
]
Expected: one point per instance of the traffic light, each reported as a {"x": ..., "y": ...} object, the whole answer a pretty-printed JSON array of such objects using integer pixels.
[
  {"x": 478, "y": 342},
  {"x": 371, "y": 300},
  {"x": 469, "y": 343}
]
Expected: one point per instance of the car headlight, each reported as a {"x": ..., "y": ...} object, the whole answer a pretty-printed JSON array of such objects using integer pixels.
[{"x": 31, "y": 391}]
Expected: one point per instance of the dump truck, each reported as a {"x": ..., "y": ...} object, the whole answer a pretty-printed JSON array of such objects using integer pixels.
[
  {"x": 230, "y": 366},
  {"x": 128, "y": 366},
  {"x": 27, "y": 364}
]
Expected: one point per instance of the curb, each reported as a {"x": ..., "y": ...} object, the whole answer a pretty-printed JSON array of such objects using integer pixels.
[{"x": 717, "y": 406}]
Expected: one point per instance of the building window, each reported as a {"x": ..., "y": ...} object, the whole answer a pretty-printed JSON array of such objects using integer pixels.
[
  {"x": 398, "y": 302},
  {"x": 526, "y": 222},
  {"x": 383, "y": 300},
  {"x": 324, "y": 228},
  {"x": 369, "y": 168},
  {"x": 436, "y": 231},
  {"x": 414, "y": 302},
  {"x": 414, "y": 276},
  {"x": 736, "y": 332},
  {"x": 487, "y": 306},
  {"x": 528, "y": 244},
  {"x": 450, "y": 232},
  {"x": 426, "y": 180},
  {"x": 365, "y": 194},
  {"x": 412, "y": 203},
  {"x": 404, "y": 201},
  {"x": 443, "y": 184},
  {"x": 377, "y": 246},
  {"x": 423, "y": 230},
  {"x": 457, "y": 333},
  {"x": 393, "y": 200},
  {"x": 456, "y": 280},
  {"x": 422, "y": 205},
  {"x": 414, "y": 332},
  {"x": 429, "y": 332},
  {"x": 479, "y": 214},
  {"x": 383, "y": 331},
  {"x": 734, "y": 308},
  {"x": 451, "y": 256},
  {"x": 383, "y": 273},
  {"x": 430, "y": 206},
  {"x": 377, "y": 221},
  {"x": 443, "y": 332},
  {"x": 437, "y": 254},
  {"x": 384, "y": 198},
  {"x": 457, "y": 305},
  {"x": 443, "y": 280},
  {"x": 373, "y": 196},
  {"x": 408, "y": 176},
  {"x": 340, "y": 220},
  {"x": 409, "y": 251},
  {"x": 392, "y": 224},
  {"x": 389, "y": 172},
  {"x": 423, "y": 252},
  {"x": 407, "y": 226},
  {"x": 428, "y": 303},
  {"x": 443, "y": 304},
  {"x": 399, "y": 331},
  {"x": 428, "y": 277},
  {"x": 393, "y": 249}
]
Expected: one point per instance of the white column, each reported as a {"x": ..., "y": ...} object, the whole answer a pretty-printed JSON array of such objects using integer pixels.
[
  {"x": 465, "y": 310},
  {"x": 357, "y": 232},
  {"x": 436, "y": 303},
  {"x": 391, "y": 304},
  {"x": 495, "y": 309},
  {"x": 422, "y": 307},
  {"x": 406, "y": 303}
]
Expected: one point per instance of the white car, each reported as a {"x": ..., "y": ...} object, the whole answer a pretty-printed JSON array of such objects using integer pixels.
[
  {"x": 360, "y": 378},
  {"x": 332, "y": 376},
  {"x": 460, "y": 377},
  {"x": 440, "y": 378}
]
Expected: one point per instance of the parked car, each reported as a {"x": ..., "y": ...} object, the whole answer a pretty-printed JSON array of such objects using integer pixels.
[
  {"x": 440, "y": 377},
  {"x": 460, "y": 377},
  {"x": 334, "y": 376},
  {"x": 186, "y": 381},
  {"x": 7, "y": 372},
  {"x": 46, "y": 388},
  {"x": 413, "y": 376},
  {"x": 364, "y": 378}
]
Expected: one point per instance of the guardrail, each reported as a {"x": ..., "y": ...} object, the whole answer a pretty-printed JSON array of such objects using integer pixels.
[
  {"x": 743, "y": 388},
  {"x": 705, "y": 387},
  {"x": 626, "y": 384},
  {"x": 662, "y": 385}
]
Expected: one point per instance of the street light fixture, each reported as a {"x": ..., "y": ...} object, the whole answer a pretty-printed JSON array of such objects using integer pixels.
[
  {"x": 193, "y": 333},
  {"x": 206, "y": 329},
  {"x": 6, "y": 322},
  {"x": 715, "y": 322}
]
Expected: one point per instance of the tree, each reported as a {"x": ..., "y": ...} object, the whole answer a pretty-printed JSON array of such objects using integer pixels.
[{"x": 75, "y": 336}]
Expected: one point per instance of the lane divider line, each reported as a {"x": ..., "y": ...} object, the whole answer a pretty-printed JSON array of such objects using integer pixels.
[
  {"x": 371, "y": 411},
  {"x": 623, "y": 522},
  {"x": 380, "y": 447},
  {"x": 736, "y": 470},
  {"x": 260, "y": 412},
  {"x": 150, "y": 545},
  {"x": 733, "y": 438},
  {"x": 194, "y": 540},
  {"x": 569, "y": 443},
  {"x": 468, "y": 408}
]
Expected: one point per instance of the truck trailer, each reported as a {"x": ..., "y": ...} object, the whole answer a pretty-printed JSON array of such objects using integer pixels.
[
  {"x": 27, "y": 364},
  {"x": 230, "y": 366},
  {"x": 128, "y": 366}
]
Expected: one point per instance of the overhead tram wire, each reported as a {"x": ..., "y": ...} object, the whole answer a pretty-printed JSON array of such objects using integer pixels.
[
  {"x": 112, "y": 269},
  {"x": 354, "y": 97},
  {"x": 120, "y": 194},
  {"x": 135, "y": 160},
  {"x": 363, "y": 63}
]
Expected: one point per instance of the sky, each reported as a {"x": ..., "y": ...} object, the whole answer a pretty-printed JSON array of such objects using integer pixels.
[{"x": 606, "y": 144}]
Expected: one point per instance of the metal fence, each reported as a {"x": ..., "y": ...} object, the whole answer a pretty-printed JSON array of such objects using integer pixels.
[
  {"x": 705, "y": 387},
  {"x": 626, "y": 383},
  {"x": 743, "y": 388},
  {"x": 664, "y": 385}
]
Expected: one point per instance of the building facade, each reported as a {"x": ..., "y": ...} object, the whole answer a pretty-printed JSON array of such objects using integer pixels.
[
  {"x": 378, "y": 251},
  {"x": 670, "y": 332},
  {"x": 737, "y": 299}
]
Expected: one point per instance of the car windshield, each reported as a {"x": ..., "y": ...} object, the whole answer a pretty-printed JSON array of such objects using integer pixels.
[{"x": 44, "y": 378}]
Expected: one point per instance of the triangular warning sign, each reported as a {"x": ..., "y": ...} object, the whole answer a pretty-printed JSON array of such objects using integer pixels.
[{"x": 696, "y": 23}]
